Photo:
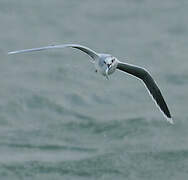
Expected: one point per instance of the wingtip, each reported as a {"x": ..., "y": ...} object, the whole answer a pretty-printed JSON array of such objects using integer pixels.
[
  {"x": 9, "y": 53},
  {"x": 170, "y": 120}
]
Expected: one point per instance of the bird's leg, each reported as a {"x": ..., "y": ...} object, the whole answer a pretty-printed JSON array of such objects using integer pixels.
[{"x": 107, "y": 77}]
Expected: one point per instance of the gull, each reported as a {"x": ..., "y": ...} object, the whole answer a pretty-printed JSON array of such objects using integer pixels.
[{"x": 106, "y": 65}]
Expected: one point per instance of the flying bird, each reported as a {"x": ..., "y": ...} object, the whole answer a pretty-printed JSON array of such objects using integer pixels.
[{"x": 106, "y": 64}]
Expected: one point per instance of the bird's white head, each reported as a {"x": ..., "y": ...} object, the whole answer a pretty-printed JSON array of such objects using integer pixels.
[{"x": 110, "y": 64}]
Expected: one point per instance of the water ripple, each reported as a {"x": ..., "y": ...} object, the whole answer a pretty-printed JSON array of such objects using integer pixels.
[
  {"x": 113, "y": 165},
  {"x": 49, "y": 147}
]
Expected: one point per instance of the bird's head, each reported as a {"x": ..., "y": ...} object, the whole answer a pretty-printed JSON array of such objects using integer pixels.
[{"x": 110, "y": 64}]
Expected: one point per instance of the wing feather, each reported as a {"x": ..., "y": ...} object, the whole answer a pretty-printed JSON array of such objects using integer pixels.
[
  {"x": 86, "y": 50},
  {"x": 151, "y": 85}
]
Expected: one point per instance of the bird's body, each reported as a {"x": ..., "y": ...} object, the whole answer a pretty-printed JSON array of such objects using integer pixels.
[{"x": 106, "y": 65}]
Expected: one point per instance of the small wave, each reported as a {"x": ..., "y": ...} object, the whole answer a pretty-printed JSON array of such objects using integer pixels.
[
  {"x": 50, "y": 147},
  {"x": 141, "y": 165},
  {"x": 115, "y": 129}
]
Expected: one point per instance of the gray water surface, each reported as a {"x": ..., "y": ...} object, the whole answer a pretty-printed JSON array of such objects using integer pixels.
[{"x": 61, "y": 120}]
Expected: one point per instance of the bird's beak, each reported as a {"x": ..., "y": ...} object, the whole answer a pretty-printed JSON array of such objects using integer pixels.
[{"x": 109, "y": 66}]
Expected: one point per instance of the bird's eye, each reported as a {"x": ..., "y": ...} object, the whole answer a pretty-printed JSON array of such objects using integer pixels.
[{"x": 112, "y": 60}]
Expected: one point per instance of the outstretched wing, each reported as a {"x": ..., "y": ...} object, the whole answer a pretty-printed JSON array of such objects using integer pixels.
[
  {"x": 150, "y": 84},
  {"x": 88, "y": 51}
]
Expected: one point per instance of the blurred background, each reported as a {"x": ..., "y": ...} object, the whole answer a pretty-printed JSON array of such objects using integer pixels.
[{"x": 61, "y": 120}]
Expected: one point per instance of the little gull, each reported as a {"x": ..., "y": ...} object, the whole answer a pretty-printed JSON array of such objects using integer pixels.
[{"x": 106, "y": 64}]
